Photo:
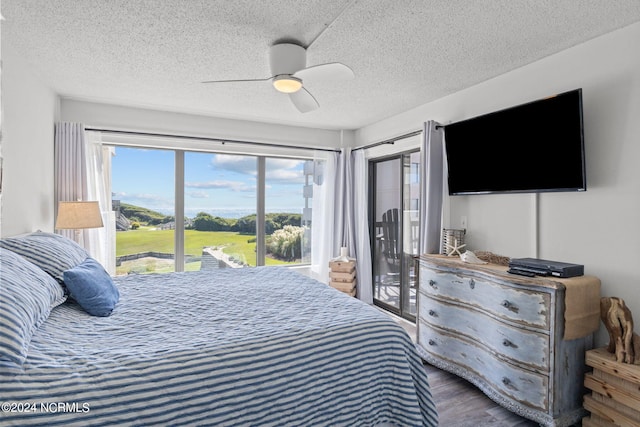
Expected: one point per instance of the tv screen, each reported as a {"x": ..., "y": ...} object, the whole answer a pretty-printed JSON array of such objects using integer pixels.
[{"x": 533, "y": 147}]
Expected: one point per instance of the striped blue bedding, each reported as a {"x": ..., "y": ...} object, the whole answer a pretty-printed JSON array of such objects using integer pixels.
[{"x": 231, "y": 347}]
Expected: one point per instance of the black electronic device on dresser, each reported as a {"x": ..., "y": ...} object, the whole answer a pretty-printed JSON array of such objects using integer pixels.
[{"x": 542, "y": 267}]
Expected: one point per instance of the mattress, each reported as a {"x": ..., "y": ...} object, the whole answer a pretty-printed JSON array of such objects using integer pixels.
[{"x": 259, "y": 346}]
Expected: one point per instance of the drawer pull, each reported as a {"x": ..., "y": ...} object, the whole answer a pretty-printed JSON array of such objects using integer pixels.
[
  {"x": 472, "y": 284},
  {"x": 506, "y": 381},
  {"x": 432, "y": 313},
  {"x": 507, "y": 343},
  {"x": 432, "y": 342},
  {"x": 509, "y": 306},
  {"x": 432, "y": 283}
]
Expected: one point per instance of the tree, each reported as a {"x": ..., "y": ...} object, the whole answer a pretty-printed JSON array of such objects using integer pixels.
[
  {"x": 272, "y": 222},
  {"x": 205, "y": 222}
]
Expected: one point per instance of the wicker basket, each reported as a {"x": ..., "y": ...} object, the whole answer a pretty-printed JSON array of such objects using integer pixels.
[{"x": 450, "y": 236}]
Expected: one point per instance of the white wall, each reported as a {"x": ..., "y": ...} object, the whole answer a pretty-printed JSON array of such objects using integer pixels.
[
  {"x": 29, "y": 112},
  {"x": 597, "y": 228},
  {"x": 106, "y": 116}
]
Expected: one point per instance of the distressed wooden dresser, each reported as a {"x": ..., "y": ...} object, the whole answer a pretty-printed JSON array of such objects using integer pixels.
[{"x": 503, "y": 333}]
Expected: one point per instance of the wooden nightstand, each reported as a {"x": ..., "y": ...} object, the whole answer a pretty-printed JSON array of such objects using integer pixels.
[
  {"x": 342, "y": 276},
  {"x": 615, "y": 397}
]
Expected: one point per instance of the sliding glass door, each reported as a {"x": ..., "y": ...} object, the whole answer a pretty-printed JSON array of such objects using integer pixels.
[{"x": 394, "y": 206}]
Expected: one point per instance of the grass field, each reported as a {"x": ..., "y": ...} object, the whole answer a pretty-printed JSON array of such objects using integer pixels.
[{"x": 148, "y": 239}]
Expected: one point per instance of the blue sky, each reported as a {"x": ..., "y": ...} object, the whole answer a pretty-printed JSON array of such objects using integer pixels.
[{"x": 215, "y": 183}]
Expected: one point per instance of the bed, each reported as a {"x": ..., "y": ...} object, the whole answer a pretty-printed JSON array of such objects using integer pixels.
[{"x": 259, "y": 346}]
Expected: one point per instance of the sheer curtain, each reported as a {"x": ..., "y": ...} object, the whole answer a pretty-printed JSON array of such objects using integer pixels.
[
  {"x": 340, "y": 218},
  {"x": 102, "y": 241},
  {"x": 431, "y": 187},
  {"x": 80, "y": 176},
  {"x": 323, "y": 214}
]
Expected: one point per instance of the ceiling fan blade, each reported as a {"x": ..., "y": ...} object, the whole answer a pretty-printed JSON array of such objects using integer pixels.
[
  {"x": 238, "y": 81},
  {"x": 331, "y": 71},
  {"x": 304, "y": 101}
]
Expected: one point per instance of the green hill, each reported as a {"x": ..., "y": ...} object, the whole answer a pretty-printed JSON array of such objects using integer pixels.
[{"x": 144, "y": 215}]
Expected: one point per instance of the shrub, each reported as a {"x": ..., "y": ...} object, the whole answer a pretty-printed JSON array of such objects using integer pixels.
[
  {"x": 206, "y": 222},
  {"x": 272, "y": 222},
  {"x": 286, "y": 243}
]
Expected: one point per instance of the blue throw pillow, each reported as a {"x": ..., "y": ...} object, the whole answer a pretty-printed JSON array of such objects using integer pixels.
[{"x": 92, "y": 287}]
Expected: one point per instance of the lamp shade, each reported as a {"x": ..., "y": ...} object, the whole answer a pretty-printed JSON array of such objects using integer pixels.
[{"x": 74, "y": 215}]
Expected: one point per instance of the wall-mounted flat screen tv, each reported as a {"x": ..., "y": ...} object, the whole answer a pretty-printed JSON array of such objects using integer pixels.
[{"x": 533, "y": 147}]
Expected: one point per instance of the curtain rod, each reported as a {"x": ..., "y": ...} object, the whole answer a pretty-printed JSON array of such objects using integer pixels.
[
  {"x": 203, "y": 138},
  {"x": 389, "y": 141}
]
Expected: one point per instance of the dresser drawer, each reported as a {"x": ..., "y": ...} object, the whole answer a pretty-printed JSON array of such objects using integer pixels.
[
  {"x": 527, "y": 388},
  {"x": 517, "y": 305},
  {"x": 522, "y": 346}
]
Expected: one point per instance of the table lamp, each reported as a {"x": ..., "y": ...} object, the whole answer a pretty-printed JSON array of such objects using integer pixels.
[{"x": 78, "y": 215}]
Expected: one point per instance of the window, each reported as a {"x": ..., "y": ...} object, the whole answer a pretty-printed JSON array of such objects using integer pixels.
[
  {"x": 287, "y": 224},
  {"x": 144, "y": 204},
  {"x": 225, "y": 200},
  {"x": 220, "y": 210}
]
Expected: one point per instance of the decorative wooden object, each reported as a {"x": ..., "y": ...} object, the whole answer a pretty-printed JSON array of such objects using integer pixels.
[
  {"x": 617, "y": 318},
  {"x": 615, "y": 386},
  {"x": 342, "y": 276},
  {"x": 504, "y": 333}
]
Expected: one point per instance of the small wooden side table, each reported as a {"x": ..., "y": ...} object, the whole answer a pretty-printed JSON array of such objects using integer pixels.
[
  {"x": 615, "y": 387},
  {"x": 342, "y": 276}
]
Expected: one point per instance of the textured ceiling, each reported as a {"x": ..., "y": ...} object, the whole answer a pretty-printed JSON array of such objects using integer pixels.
[{"x": 156, "y": 53}]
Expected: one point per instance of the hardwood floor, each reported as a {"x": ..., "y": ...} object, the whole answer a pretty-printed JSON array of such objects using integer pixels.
[{"x": 460, "y": 403}]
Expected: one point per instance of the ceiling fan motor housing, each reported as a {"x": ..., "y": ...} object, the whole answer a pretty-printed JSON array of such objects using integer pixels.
[{"x": 287, "y": 58}]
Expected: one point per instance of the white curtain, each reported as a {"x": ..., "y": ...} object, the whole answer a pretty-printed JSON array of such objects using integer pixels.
[
  {"x": 323, "y": 214},
  {"x": 102, "y": 240},
  {"x": 80, "y": 176},
  {"x": 343, "y": 195},
  {"x": 340, "y": 218},
  {"x": 361, "y": 221},
  {"x": 70, "y": 169},
  {"x": 431, "y": 187}
]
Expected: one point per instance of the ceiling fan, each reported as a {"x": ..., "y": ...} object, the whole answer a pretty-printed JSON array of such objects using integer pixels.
[{"x": 289, "y": 70}]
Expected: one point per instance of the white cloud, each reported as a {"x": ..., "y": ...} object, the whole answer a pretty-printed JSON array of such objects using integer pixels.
[
  {"x": 143, "y": 197},
  {"x": 285, "y": 171},
  {"x": 284, "y": 163},
  {"x": 246, "y": 165},
  {"x": 198, "y": 194},
  {"x": 285, "y": 176},
  {"x": 221, "y": 184}
]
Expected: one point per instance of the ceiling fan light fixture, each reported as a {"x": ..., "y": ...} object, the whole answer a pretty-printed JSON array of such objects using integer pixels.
[{"x": 286, "y": 83}]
